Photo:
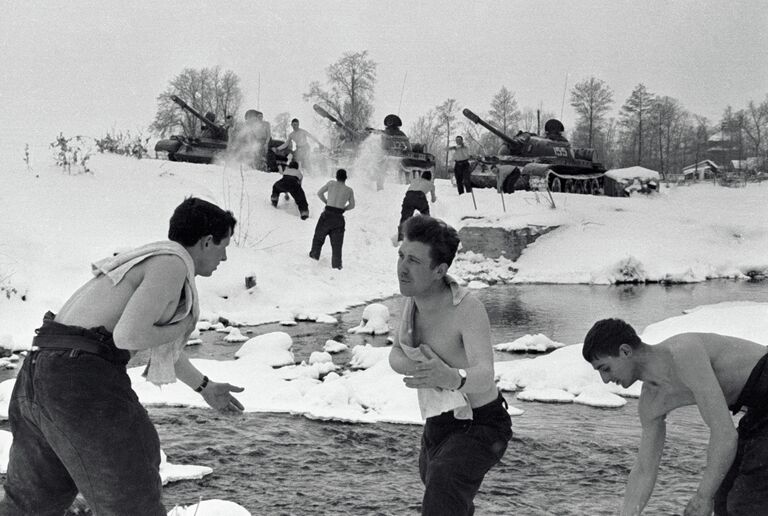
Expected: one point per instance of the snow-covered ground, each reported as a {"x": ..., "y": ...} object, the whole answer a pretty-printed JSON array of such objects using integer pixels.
[{"x": 54, "y": 225}]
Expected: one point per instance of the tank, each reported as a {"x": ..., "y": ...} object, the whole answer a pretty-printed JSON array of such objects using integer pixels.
[
  {"x": 527, "y": 161},
  {"x": 411, "y": 159},
  {"x": 204, "y": 149}
]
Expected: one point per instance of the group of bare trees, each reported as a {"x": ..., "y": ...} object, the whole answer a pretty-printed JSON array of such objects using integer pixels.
[
  {"x": 205, "y": 90},
  {"x": 648, "y": 129}
]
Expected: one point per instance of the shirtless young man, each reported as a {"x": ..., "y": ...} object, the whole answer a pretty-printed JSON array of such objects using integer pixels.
[
  {"x": 714, "y": 372},
  {"x": 340, "y": 198},
  {"x": 299, "y": 137},
  {"x": 416, "y": 199},
  {"x": 444, "y": 350},
  {"x": 258, "y": 134},
  {"x": 77, "y": 424},
  {"x": 461, "y": 169}
]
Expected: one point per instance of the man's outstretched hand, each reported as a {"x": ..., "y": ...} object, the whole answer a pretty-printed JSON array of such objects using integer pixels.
[{"x": 219, "y": 396}]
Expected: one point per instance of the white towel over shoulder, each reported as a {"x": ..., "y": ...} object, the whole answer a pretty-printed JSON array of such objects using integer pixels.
[{"x": 162, "y": 359}]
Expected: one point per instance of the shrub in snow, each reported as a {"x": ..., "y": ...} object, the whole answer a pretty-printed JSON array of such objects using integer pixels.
[
  {"x": 124, "y": 144},
  {"x": 375, "y": 317},
  {"x": 68, "y": 152},
  {"x": 630, "y": 270},
  {"x": 26, "y": 157}
]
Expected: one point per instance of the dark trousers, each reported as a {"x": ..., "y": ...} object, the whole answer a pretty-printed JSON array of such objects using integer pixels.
[
  {"x": 331, "y": 223},
  {"x": 744, "y": 490},
  {"x": 462, "y": 173},
  {"x": 78, "y": 426},
  {"x": 292, "y": 185},
  {"x": 456, "y": 454},
  {"x": 413, "y": 200}
]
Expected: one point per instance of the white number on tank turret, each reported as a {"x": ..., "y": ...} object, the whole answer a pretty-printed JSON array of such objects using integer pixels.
[{"x": 561, "y": 151}]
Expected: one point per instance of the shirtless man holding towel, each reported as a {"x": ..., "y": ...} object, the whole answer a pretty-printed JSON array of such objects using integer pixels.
[
  {"x": 77, "y": 424},
  {"x": 444, "y": 350}
]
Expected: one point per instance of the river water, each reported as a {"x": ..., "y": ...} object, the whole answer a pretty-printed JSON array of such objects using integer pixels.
[{"x": 563, "y": 459}]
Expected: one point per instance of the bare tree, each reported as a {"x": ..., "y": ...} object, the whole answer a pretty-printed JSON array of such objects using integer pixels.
[
  {"x": 591, "y": 98},
  {"x": 504, "y": 113},
  {"x": 426, "y": 130},
  {"x": 633, "y": 114},
  {"x": 446, "y": 115},
  {"x": 206, "y": 89},
  {"x": 280, "y": 125},
  {"x": 349, "y": 93},
  {"x": 531, "y": 119},
  {"x": 756, "y": 123},
  {"x": 665, "y": 120}
]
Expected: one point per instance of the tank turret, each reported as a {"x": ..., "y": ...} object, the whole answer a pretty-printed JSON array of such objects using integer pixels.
[
  {"x": 527, "y": 158},
  {"x": 411, "y": 159}
]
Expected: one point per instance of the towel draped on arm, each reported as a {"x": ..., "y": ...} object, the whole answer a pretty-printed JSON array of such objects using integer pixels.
[
  {"x": 432, "y": 401},
  {"x": 162, "y": 359}
]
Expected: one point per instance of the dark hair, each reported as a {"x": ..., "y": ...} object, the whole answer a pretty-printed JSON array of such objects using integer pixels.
[
  {"x": 293, "y": 164},
  {"x": 251, "y": 113},
  {"x": 195, "y": 218},
  {"x": 442, "y": 239},
  {"x": 426, "y": 175},
  {"x": 605, "y": 337},
  {"x": 294, "y": 120},
  {"x": 341, "y": 175}
]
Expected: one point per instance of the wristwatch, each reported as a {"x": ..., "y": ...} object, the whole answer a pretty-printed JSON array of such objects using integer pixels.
[{"x": 463, "y": 376}]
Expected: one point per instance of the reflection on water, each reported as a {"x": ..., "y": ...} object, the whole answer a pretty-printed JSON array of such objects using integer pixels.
[
  {"x": 565, "y": 313},
  {"x": 563, "y": 460}
]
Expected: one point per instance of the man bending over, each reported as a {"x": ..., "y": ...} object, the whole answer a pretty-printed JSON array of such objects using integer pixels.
[
  {"x": 76, "y": 422},
  {"x": 714, "y": 372}
]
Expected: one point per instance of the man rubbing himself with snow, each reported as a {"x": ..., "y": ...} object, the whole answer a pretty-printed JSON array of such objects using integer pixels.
[
  {"x": 444, "y": 350},
  {"x": 76, "y": 422},
  {"x": 714, "y": 372}
]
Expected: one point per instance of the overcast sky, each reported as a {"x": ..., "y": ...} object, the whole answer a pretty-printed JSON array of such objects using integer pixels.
[{"x": 88, "y": 66}]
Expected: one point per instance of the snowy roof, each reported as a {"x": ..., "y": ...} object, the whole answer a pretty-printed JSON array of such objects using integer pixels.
[
  {"x": 632, "y": 173},
  {"x": 701, "y": 165},
  {"x": 744, "y": 163}
]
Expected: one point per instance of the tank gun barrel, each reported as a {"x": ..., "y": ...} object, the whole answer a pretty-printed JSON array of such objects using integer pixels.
[
  {"x": 513, "y": 142},
  {"x": 325, "y": 114},
  {"x": 195, "y": 113}
]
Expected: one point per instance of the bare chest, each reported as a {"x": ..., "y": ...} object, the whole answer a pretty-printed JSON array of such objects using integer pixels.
[
  {"x": 658, "y": 401},
  {"x": 443, "y": 335}
]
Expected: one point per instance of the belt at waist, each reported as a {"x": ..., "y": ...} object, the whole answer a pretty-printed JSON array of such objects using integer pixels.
[
  {"x": 333, "y": 209},
  {"x": 462, "y": 161},
  {"x": 97, "y": 341},
  {"x": 479, "y": 414}
]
